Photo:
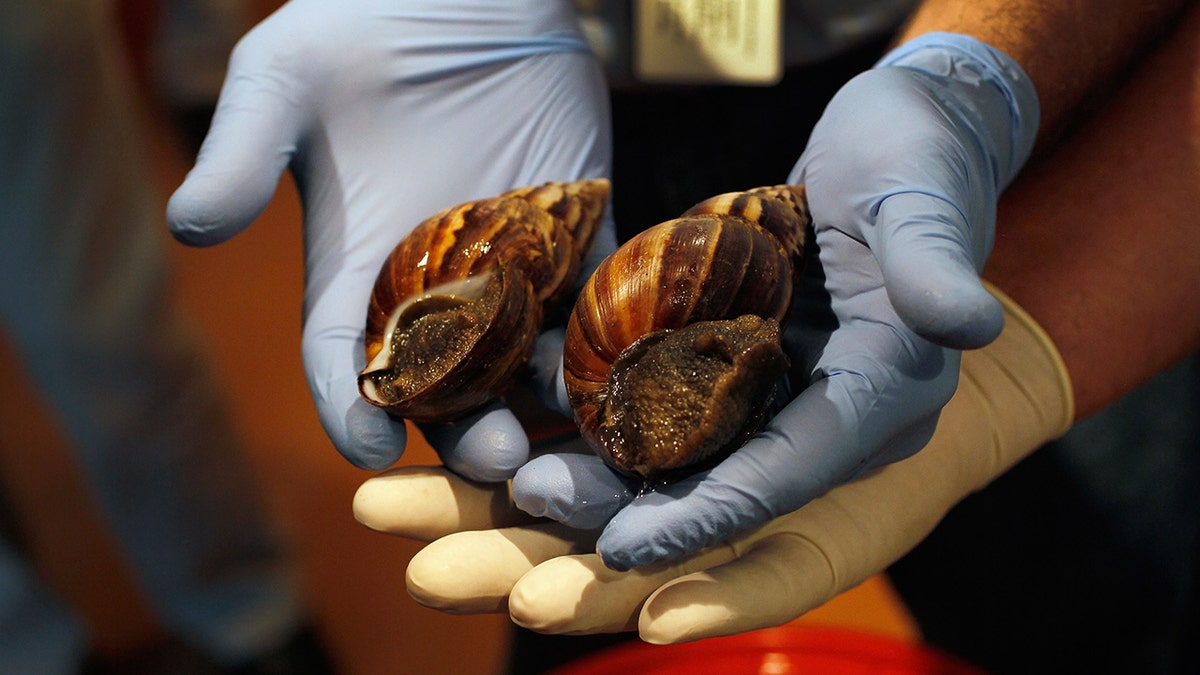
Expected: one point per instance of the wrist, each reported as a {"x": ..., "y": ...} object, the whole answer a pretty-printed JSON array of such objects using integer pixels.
[{"x": 986, "y": 86}]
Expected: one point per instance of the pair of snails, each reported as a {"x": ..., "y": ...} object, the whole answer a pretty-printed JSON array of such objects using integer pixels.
[{"x": 672, "y": 348}]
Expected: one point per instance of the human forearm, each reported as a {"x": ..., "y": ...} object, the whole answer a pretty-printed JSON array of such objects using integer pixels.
[
  {"x": 1071, "y": 51},
  {"x": 1099, "y": 241}
]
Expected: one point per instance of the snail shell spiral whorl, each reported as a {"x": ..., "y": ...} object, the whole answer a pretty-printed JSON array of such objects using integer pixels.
[
  {"x": 673, "y": 350},
  {"x": 459, "y": 302}
]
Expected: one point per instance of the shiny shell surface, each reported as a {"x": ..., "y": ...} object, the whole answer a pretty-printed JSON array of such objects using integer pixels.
[
  {"x": 458, "y": 303},
  {"x": 673, "y": 348}
]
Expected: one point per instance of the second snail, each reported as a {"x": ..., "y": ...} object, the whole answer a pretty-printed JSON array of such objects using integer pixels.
[{"x": 672, "y": 349}]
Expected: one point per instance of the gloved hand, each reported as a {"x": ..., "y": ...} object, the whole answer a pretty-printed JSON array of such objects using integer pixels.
[
  {"x": 902, "y": 172},
  {"x": 1013, "y": 396},
  {"x": 386, "y": 113}
]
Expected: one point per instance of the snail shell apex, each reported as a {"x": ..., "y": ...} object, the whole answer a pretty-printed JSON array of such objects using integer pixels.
[{"x": 458, "y": 303}]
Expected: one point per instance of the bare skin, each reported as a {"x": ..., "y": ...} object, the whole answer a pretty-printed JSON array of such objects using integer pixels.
[
  {"x": 1098, "y": 240},
  {"x": 1073, "y": 51}
]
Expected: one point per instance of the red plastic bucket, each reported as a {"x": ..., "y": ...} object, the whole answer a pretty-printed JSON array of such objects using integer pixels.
[{"x": 788, "y": 650}]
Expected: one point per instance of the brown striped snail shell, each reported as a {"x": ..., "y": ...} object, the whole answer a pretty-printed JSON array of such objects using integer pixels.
[
  {"x": 459, "y": 302},
  {"x": 673, "y": 349}
]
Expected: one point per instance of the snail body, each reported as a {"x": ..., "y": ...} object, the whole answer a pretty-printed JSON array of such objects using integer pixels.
[
  {"x": 673, "y": 348},
  {"x": 459, "y": 302}
]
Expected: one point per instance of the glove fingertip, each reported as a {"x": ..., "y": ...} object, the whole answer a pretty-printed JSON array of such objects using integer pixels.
[
  {"x": 369, "y": 438},
  {"x": 500, "y": 464},
  {"x": 538, "y": 602},
  {"x": 213, "y": 206},
  {"x": 576, "y": 490},
  {"x": 620, "y": 555},
  {"x": 529, "y": 500},
  {"x": 959, "y": 313},
  {"x": 371, "y": 461},
  {"x": 440, "y": 576},
  {"x": 484, "y": 474},
  {"x": 196, "y": 222},
  {"x": 488, "y": 446},
  {"x": 663, "y": 621}
]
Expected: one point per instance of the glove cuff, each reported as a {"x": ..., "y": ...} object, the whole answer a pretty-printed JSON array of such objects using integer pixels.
[
  {"x": 990, "y": 83},
  {"x": 1056, "y": 378}
]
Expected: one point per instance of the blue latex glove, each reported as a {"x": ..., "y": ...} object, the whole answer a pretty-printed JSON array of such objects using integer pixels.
[
  {"x": 903, "y": 172},
  {"x": 386, "y": 113}
]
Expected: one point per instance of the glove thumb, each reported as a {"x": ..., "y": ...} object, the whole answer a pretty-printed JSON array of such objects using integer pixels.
[
  {"x": 931, "y": 274},
  {"x": 249, "y": 143}
]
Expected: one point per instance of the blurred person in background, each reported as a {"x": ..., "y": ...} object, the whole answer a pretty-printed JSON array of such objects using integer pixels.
[{"x": 85, "y": 298}]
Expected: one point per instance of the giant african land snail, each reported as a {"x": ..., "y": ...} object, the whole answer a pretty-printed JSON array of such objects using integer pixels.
[
  {"x": 459, "y": 302},
  {"x": 673, "y": 347}
]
